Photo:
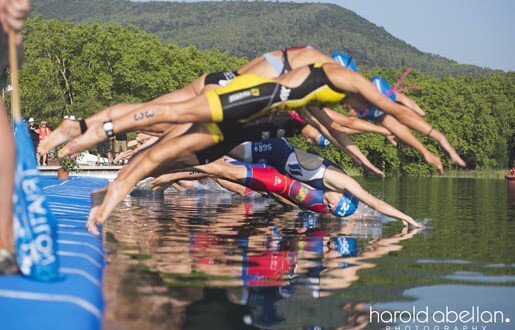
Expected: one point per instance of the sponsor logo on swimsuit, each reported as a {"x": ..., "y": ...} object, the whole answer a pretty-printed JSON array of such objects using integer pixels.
[
  {"x": 277, "y": 181},
  {"x": 285, "y": 93},
  {"x": 294, "y": 169},
  {"x": 229, "y": 75},
  {"x": 262, "y": 147},
  {"x": 239, "y": 96},
  {"x": 301, "y": 195}
]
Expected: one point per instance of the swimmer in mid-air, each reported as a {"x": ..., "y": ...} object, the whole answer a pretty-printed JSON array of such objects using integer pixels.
[
  {"x": 269, "y": 65},
  {"x": 307, "y": 168},
  {"x": 311, "y": 169},
  {"x": 248, "y": 97}
]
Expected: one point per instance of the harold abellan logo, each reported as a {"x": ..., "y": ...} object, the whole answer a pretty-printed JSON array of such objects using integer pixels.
[{"x": 445, "y": 318}]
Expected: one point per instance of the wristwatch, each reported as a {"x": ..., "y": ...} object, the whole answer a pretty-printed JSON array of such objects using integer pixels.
[{"x": 108, "y": 128}]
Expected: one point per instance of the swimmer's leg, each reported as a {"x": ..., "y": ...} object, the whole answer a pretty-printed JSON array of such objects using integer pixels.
[
  {"x": 192, "y": 111},
  {"x": 70, "y": 129},
  {"x": 148, "y": 161}
]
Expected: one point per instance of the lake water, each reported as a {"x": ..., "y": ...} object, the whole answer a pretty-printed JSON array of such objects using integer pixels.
[{"x": 210, "y": 260}]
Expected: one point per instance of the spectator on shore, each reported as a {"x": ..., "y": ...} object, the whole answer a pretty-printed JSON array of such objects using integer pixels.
[
  {"x": 34, "y": 135},
  {"x": 43, "y": 131},
  {"x": 104, "y": 150},
  {"x": 120, "y": 144}
]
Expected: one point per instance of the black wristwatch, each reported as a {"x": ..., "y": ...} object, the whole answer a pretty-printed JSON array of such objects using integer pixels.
[{"x": 109, "y": 128}]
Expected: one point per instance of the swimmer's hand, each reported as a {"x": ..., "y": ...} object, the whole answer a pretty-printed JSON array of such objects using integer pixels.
[
  {"x": 161, "y": 181},
  {"x": 371, "y": 169},
  {"x": 410, "y": 222},
  {"x": 391, "y": 139},
  {"x": 435, "y": 161}
]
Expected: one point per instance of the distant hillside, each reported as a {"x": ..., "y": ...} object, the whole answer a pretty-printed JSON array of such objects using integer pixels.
[{"x": 252, "y": 28}]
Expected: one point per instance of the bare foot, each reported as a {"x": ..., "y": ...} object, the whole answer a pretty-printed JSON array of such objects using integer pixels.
[
  {"x": 66, "y": 131},
  {"x": 435, "y": 161},
  {"x": 114, "y": 194},
  {"x": 91, "y": 225},
  {"x": 95, "y": 134}
]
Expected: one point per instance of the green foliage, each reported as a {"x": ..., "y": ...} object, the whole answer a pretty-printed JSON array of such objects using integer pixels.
[
  {"x": 80, "y": 69},
  {"x": 251, "y": 28},
  {"x": 69, "y": 164}
]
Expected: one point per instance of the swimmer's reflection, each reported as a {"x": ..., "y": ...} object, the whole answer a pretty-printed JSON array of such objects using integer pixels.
[
  {"x": 340, "y": 264},
  {"x": 273, "y": 256}
]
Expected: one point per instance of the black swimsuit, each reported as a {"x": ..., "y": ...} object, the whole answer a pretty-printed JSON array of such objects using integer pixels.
[{"x": 280, "y": 124}]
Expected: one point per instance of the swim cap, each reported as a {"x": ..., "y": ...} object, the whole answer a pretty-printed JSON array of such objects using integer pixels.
[
  {"x": 345, "y": 60},
  {"x": 346, "y": 246},
  {"x": 383, "y": 86},
  {"x": 347, "y": 205},
  {"x": 374, "y": 112},
  {"x": 322, "y": 141}
]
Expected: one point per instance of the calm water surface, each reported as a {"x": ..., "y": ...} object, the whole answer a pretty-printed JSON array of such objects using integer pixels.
[{"x": 211, "y": 260}]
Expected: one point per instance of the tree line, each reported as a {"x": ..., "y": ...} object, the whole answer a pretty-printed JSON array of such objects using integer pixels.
[
  {"x": 250, "y": 28},
  {"x": 81, "y": 68}
]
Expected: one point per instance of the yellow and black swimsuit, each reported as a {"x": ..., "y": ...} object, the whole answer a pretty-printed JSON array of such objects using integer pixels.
[
  {"x": 249, "y": 96},
  {"x": 316, "y": 87}
]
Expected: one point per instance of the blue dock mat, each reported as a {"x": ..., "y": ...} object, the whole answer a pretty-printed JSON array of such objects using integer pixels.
[{"x": 75, "y": 302}]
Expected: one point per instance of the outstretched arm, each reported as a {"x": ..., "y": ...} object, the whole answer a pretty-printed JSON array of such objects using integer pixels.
[
  {"x": 409, "y": 102},
  {"x": 166, "y": 179},
  {"x": 355, "y": 123},
  {"x": 340, "y": 181},
  {"x": 338, "y": 138},
  {"x": 403, "y": 133},
  {"x": 406, "y": 116}
]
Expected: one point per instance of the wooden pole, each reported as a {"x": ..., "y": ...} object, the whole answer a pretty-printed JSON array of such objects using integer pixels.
[{"x": 13, "y": 67}]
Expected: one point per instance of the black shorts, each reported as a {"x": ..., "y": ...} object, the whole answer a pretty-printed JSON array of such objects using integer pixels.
[
  {"x": 279, "y": 124},
  {"x": 245, "y": 96},
  {"x": 220, "y": 78}
]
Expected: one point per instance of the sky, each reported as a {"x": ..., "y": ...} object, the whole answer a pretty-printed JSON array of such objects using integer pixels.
[{"x": 468, "y": 31}]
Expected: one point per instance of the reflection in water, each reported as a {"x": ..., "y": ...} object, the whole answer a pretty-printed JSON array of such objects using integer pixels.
[
  {"x": 213, "y": 261},
  {"x": 166, "y": 261}
]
